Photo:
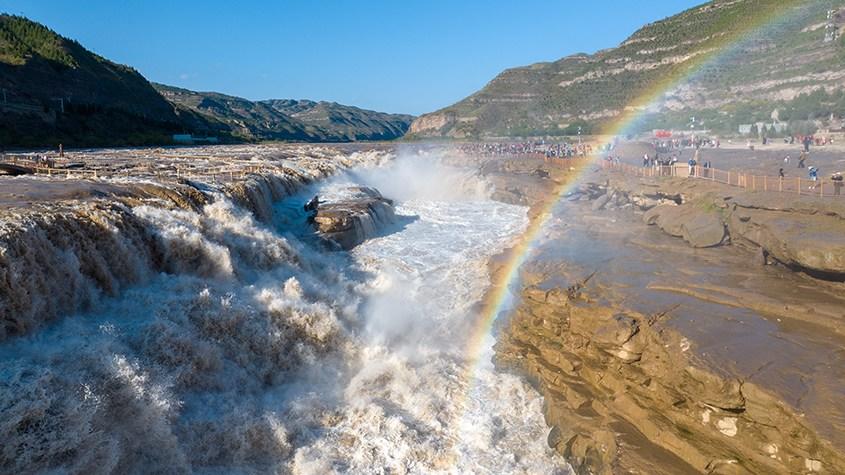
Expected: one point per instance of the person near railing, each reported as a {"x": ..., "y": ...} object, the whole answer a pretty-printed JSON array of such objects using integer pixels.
[
  {"x": 813, "y": 174},
  {"x": 837, "y": 183}
]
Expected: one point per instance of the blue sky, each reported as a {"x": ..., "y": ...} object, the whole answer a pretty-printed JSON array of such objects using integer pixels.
[{"x": 394, "y": 56}]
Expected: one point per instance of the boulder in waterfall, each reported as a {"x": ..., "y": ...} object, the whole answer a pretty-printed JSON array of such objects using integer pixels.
[{"x": 353, "y": 216}]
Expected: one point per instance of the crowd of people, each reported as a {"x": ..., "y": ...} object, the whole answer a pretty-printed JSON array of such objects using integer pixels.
[
  {"x": 528, "y": 149},
  {"x": 667, "y": 153},
  {"x": 680, "y": 143}
]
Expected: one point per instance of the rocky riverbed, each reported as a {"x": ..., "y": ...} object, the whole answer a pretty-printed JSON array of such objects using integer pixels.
[{"x": 672, "y": 347}]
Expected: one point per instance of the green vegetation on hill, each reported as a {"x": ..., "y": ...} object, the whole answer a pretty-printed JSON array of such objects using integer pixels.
[
  {"x": 55, "y": 91},
  {"x": 755, "y": 71},
  {"x": 20, "y": 39}
]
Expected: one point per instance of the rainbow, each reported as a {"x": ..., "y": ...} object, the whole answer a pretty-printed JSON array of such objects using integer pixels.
[{"x": 719, "y": 49}]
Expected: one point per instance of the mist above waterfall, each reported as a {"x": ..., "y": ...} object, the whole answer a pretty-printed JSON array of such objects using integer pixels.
[
  {"x": 251, "y": 348},
  {"x": 423, "y": 176}
]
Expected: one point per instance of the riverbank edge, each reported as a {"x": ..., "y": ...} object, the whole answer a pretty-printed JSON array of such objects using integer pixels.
[{"x": 623, "y": 395}]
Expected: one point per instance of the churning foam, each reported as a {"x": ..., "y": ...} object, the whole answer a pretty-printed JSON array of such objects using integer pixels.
[{"x": 257, "y": 351}]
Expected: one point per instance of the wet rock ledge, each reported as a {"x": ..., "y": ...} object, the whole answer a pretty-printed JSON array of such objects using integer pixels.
[
  {"x": 358, "y": 214},
  {"x": 804, "y": 233},
  {"x": 624, "y": 395}
]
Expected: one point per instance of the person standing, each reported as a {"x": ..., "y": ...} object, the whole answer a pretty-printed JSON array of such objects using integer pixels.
[
  {"x": 691, "y": 162},
  {"x": 837, "y": 183}
]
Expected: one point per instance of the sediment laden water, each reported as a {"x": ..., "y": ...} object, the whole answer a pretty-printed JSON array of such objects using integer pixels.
[{"x": 215, "y": 342}]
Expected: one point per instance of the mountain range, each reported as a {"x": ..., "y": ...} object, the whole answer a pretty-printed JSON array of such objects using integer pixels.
[
  {"x": 284, "y": 119},
  {"x": 56, "y": 91},
  {"x": 738, "y": 62},
  {"x": 772, "y": 60}
]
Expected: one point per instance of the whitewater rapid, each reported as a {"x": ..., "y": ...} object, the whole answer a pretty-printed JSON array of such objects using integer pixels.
[{"x": 272, "y": 354}]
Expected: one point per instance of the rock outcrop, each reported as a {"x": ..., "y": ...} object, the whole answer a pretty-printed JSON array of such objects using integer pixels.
[
  {"x": 623, "y": 395},
  {"x": 353, "y": 218},
  {"x": 802, "y": 233},
  {"x": 698, "y": 227}
]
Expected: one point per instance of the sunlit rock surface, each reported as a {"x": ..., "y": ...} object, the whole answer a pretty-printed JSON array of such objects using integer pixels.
[{"x": 352, "y": 216}]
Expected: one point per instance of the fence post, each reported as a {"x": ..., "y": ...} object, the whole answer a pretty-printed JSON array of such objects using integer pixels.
[
  {"x": 765, "y": 183},
  {"x": 799, "y": 185},
  {"x": 821, "y": 188}
]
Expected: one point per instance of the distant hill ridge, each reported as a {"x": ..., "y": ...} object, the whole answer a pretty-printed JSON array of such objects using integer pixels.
[
  {"x": 287, "y": 119},
  {"x": 56, "y": 91},
  {"x": 793, "y": 68}
]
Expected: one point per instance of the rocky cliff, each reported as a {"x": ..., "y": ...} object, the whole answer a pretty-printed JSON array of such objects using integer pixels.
[{"x": 787, "y": 65}]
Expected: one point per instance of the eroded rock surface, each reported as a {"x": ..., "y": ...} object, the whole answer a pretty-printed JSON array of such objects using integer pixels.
[
  {"x": 803, "y": 233},
  {"x": 353, "y": 217},
  {"x": 624, "y": 396},
  {"x": 628, "y": 390}
]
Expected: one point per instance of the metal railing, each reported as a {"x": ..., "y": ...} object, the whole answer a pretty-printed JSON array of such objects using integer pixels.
[{"x": 749, "y": 181}]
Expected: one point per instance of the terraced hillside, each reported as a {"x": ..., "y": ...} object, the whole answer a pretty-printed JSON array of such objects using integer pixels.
[{"x": 725, "y": 62}]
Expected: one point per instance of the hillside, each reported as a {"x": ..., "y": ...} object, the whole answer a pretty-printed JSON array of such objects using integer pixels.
[
  {"x": 56, "y": 91},
  {"x": 345, "y": 122},
  {"x": 278, "y": 119},
  {"x": 787, "y": 66}
]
